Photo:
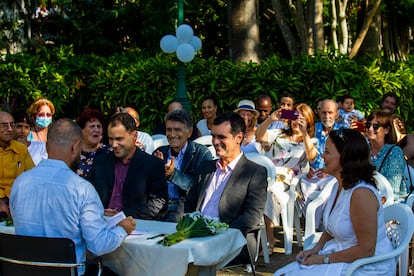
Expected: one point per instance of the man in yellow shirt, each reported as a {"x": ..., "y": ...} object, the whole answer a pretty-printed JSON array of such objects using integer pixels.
[{"x": 14, "y": 159}]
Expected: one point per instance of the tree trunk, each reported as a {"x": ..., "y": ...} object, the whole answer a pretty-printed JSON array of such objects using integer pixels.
[
  {"x": 284, "y": 27},
  {"x": 368, "y": 20},
  {"x": 318, "y": 34},
  {"x": 334, "y": 25},
  {"x": 395, "y": 36},
  {"x": 343, "y": 26},
  {"x": 243, "y": 31},
  {"x": 13, "y": 17}
]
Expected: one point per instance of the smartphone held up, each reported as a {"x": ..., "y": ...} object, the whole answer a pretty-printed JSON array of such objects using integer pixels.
[{"x": 289, "y": 114}]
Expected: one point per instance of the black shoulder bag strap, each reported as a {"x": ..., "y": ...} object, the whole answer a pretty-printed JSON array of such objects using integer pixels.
[{"x": 383, "y": 160}]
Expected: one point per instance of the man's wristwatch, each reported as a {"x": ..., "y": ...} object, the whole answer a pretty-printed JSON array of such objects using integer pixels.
[{"x": 326, "y": 259}]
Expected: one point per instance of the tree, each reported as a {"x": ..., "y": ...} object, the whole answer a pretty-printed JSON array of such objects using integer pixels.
[
  {"x": 243, "y": 30},
  {"x": 14, "y": 25}
]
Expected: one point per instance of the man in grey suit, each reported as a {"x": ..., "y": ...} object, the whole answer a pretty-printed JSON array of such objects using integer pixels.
[
  {"x": 182, "y": 159},
  {"x": 232, "y": 188}
]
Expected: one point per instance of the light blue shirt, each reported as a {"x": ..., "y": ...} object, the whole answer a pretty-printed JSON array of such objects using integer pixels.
[
  {"x": 216, "y": 186},
  {"x": 173, "y": 192},
  {"x": 319, "y": 163},
  {"x": 51, "y": 200}
]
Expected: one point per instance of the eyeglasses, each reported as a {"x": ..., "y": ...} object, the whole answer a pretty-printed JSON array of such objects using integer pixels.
[
  {"x": 375, "y": 126},
  {"x": 47, "y": 115},
  {"x": 5, "y": 125},
  {"x": 263, "y": 110}
]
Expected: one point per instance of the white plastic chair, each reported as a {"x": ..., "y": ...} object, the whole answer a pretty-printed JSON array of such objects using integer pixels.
[
  {"x": 159, "y": 140},
  {"x": 385, "y": 189},
  {"x": 310, "y": 234},
  {"x": 403, "y": 215},
  {"x": 207, "y": 140},
  {"x": 271, "y": 178}
]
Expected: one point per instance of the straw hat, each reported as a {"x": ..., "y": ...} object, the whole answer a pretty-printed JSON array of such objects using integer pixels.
[{"x": 247, "y": 105}]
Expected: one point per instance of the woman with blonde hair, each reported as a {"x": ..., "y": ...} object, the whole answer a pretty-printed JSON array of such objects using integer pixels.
[
  {"x": 291, "y": 150},
  {"x": 41, "y": 111}
]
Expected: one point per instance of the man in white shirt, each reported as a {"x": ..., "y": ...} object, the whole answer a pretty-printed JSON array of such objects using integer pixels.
[{"x": 231, "y": 188}]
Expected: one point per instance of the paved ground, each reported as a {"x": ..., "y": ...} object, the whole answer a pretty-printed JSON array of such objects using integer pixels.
[{"x": 277, "y": 260}]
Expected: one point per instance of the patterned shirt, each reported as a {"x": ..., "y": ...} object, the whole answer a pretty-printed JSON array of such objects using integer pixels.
[
  {"x": 86, "y": 161},
  {"x": 392, "y": 169},
  {"x": 320, "y": 135}
]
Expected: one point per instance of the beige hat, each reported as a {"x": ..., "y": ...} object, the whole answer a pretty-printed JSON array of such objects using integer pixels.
[{"x": 246, "y": 105}]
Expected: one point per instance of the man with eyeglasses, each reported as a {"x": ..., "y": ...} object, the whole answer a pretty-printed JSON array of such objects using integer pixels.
[{"x": 14, "y": 159}]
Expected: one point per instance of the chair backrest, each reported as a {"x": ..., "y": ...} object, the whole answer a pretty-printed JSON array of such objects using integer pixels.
[
  {"x": 207, "y": 140},
  {"x": 385, "y": 189},
  {"x": 159, "y": 140},
  {"x": 264, "y": 161},
  {"x": 399, "y": 232},
  {"x": 36, "y": 249},
  {"x": 400, "y": 224}
]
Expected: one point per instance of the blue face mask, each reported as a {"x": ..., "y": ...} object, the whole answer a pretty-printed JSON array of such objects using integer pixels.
[{"x": 43, "y": 121}]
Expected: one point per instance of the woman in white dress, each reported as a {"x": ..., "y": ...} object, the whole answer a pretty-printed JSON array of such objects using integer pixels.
[
  {"x": 355, "y": 226},
  {"x": 291, "y": 150},
  {"x": 209, "y": 111}
]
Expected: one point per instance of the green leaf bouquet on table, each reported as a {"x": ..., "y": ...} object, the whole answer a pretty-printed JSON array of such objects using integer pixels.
[{"x": 194, "y": 225}]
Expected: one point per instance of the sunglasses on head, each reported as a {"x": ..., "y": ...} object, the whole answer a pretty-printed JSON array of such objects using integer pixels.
[{"x": 375, "y": 126}]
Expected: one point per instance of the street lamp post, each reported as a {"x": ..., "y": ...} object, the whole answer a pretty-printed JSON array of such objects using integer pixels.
[
  {"x": 181, "y": 91},
  {"x": 184, "y": 44}
]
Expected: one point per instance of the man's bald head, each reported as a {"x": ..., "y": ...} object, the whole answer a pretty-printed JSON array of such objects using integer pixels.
[{"x": 64, "y": 142}]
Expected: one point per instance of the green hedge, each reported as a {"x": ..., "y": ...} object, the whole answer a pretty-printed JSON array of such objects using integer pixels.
[{"x": 73, "y": 82}]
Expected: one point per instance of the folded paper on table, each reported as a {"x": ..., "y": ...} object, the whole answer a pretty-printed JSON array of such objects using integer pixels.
[{"x": 114, "y": 220}]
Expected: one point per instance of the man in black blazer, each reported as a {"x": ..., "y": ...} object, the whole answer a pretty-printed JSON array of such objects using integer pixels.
[
  {"x": 182, "y": 159},
  {"x": 129, "y": 179},
  {"x": 231, "y": 188}
]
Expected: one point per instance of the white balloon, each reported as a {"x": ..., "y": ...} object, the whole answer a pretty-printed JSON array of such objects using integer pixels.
[
  {"x": 185, "y": 52},
  {"x": 196, "y": 43},
  {"x": 169, "y": 44},
  {"x": 184, "y": 33}
]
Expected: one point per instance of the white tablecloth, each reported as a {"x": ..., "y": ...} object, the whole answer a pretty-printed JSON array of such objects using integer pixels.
[{"x": 140, "y": 256}]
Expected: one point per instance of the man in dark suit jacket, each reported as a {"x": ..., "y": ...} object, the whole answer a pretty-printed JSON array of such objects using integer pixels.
[
  {"x": 129, "y": 179},
  {"x": 231, "y": 188},
  {"x": 182, "y": 159}
]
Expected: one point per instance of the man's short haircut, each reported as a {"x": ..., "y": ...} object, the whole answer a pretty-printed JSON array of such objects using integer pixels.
[
  {"x": 263, "y": 97},
  {"x": 63, "y": 132},
  {"x": 180, "y": 115},
  {"x": 286, "y": 95},
  {"x": 235, "y": 120},
  {"x": 391, "y": 95},
  {"x": 124, "y": 119},
  {"x": 329, "y": 101}
]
